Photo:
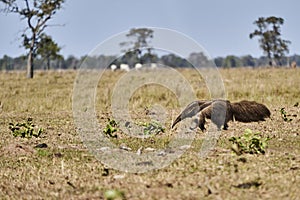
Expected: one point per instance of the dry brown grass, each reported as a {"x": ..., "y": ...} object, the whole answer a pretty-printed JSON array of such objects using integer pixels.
[{"x": 67, "y": 170}]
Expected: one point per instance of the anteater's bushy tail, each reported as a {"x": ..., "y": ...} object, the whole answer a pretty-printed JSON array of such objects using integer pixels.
[{"x": 249, "y": 111}]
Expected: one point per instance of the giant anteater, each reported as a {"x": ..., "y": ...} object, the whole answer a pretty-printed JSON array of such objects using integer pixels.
[{"x": 222, "y": 111}]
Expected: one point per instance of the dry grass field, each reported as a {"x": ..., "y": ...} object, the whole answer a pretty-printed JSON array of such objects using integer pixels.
[{"x": 65, "y": 169}]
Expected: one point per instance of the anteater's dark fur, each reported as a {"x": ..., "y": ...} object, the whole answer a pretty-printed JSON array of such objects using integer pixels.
[{"x": 222, "y": 111}]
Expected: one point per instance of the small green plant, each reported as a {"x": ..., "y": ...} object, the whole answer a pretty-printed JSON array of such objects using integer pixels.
[
  {"x": 152, "y": 128},
  {"x": 114, "y": 194},
  {"x": 111, "y": 127},
  {"x": 25, "y": 130},
  {"x": 284, "y": 115},
  {"x": 43, "y": 152},
  {"x": 250, "y": 142}
]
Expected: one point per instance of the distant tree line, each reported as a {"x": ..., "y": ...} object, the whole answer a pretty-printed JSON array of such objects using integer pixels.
[
  {"x": 172, "y": 60},
  {"x": 20, "y": 63},
  {"x": 249, "y": 61}
]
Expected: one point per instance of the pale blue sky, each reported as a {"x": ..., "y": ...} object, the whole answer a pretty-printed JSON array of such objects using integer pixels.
[{"x": 221, "y": 27}]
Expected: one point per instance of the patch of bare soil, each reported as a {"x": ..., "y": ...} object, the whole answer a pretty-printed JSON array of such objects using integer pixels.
[{"x": 16, "y": 149}]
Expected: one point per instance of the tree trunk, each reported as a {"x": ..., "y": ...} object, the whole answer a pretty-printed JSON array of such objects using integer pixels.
[
  {"x": 270, "y": 59},
  {"x": 30, "y": 65},
  {"x": 48, "y": 63},
  {"x": 30, "y": 59},
  {"x": 270, "y": 63}
]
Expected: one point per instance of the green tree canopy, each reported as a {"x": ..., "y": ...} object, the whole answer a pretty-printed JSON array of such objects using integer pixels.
[
  {"x": 48, "y": 49},
  {"x": 139, "y": 40},
  {"x": 232, "y": 61}
]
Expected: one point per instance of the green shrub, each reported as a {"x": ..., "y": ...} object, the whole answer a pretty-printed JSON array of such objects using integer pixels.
[
  {"x": 250, "y": 142},
  {"x": 111, "y": 127},
  {"x": 149, "y": 128},
  {"x": 25, "y": 130},
  {"x": 152, "y": 128},
  {"x": 284, "y": 115}
]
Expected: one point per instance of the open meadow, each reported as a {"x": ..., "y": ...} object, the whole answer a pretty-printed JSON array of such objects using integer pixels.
[{"x": 61, "y": 167}]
